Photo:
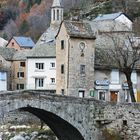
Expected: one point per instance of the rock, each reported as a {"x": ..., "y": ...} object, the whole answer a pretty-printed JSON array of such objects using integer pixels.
[
  {"x": 18, "y": 137},
  {"x": 23, "y": 134},
  {"x": 27, "y": 137}
]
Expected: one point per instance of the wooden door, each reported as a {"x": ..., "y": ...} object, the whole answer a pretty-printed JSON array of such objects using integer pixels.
[{"x": 113, "y": 96}]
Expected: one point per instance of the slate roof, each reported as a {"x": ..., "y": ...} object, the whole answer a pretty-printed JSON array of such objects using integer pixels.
[
  {"x": 108, "y": 16},
  {"x": 21, "y": 55},
  {"x": 7, "y": 53},
  {"x": 45, "y": 50},
  {"x": 48, "y": 35},
  {"x": 79, "y": 29},
  {"x": 25, "y": 42},
  {"x": 3, "y": 42}
]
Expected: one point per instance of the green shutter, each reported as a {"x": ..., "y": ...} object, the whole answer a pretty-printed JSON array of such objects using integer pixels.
[{"x": 91, "y": 93}]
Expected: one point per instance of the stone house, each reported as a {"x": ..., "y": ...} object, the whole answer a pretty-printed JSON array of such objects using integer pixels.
[
  {"x": 112, "y": 22},
  {"x": 41, "y": 67},
  {"x": 75, "y": 43},
  {"x": 111, "y": 29},
  {"x": 18, "y": 70},
  {"x": 20, "y": 43}
]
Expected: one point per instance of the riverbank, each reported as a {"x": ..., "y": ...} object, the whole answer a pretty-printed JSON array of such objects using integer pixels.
[{"x": 26, "y": 132}]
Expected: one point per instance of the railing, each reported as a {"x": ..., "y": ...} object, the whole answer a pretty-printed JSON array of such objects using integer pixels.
[{"x": 45, "y": 87}]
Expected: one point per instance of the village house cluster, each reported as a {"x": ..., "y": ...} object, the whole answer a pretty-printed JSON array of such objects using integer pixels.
[{"x": 63, "y": 59}]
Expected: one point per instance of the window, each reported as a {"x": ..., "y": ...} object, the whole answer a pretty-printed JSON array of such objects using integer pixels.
[
  {"x": 52, "y": 80},
  {"x": 39, "y": 82},
  {"x": 62, "y": 91},
  {"x": 20, "y": 86},
  {"x": 3, "y": 76},
  {"x": 115, "y": 77},
  {"x": 62, "y": 69},
  {"x": 22, "y": 64},
  {"x": 12, "y": 43},
  {"x": 39, "y": 66},
  {"x": 134, "y": 77},
  {"x": 62, "y": 44},
  {"x": 57, "y": 14},
  {"x": 81, "y": 93},
  {"x": 101, "y": 95},
  {"x": 82, "y": 69},
  {"x": 91, "y": 93},
  {"x": 20, "y": 74},
  {"x": 53, "y": 14},
  {"x": 52, "y": 65}
]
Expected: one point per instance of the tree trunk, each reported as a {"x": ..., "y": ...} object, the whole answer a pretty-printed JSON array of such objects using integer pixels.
[{"x": 130, "y": 85}]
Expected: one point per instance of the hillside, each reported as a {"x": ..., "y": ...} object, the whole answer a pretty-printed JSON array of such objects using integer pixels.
[{"x": 32, "y": 17}]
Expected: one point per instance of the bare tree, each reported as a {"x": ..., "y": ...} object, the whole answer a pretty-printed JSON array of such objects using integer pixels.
[{"x": 123, "y": 55}]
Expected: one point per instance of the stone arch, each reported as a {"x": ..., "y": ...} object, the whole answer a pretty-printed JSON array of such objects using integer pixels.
[{"x": 62, "y": 129}]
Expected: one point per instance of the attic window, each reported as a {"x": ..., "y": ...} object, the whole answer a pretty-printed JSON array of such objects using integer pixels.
[{"x": 12, "y": 43}]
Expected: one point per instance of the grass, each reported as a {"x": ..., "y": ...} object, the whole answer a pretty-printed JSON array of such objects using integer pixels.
[{"x": 111, "y": 135}]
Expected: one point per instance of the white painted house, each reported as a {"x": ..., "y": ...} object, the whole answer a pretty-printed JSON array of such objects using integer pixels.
[
  {"x": 3, "y": 80},
  {"x": 41, "y": 64},
  {"x": 41, "y": 68}
]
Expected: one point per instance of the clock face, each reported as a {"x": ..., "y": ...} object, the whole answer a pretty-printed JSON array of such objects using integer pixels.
[{"x": 82, "y": 46}]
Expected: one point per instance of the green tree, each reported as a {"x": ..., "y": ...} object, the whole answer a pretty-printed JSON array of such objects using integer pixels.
[
  {"x": 5, "y": 36},
  {"x": 24, "y": 27}
]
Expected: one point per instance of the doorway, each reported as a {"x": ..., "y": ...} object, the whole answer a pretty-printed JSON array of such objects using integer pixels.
[
  {"x": 81, "y": 93},
  {"x": 113, "y": 96}
]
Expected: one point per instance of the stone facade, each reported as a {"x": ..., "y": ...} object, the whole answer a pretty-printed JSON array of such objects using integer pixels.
[
  {"x": 72, "y": 58},
  {"x": 18, "y": 74}
]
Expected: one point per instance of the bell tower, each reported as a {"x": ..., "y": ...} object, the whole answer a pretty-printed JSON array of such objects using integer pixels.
[{"x": 56, "y": 12}]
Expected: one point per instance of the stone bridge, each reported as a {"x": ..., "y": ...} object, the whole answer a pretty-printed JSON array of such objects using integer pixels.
[{"x": 72, "y": 118}]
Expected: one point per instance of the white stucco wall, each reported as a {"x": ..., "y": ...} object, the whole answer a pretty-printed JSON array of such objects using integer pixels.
[{"x": 47, "y": 73}]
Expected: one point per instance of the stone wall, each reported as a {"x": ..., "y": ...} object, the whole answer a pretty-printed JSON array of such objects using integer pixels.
[
  {"x": 122, "y": 119},
  {"x": 87, "y": 117}
]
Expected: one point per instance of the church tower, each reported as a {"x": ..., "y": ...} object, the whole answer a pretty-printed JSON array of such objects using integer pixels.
[{"x": 56, "y": 12}]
